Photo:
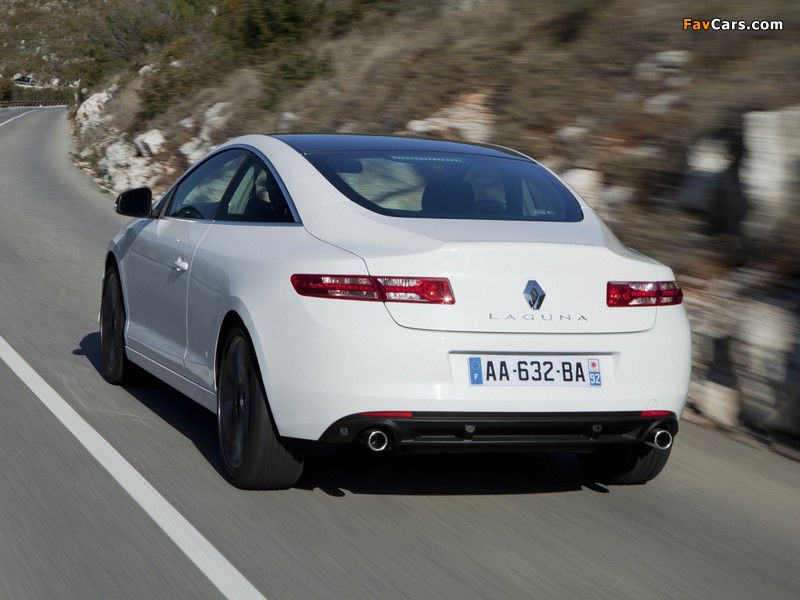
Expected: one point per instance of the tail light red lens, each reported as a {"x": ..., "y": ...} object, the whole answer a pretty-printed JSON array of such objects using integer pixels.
[
  {"x": 422, "y": 290},
  {"x": 643, "y": 293},
  {"x": 414, "y": 289},
  {"x": 350, "y": 287}
]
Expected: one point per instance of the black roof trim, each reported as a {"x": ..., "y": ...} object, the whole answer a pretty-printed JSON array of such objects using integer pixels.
[{"x": 310, "y": 143}]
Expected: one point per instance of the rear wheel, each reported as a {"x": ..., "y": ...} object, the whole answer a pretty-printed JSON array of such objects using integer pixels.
[
  {"x": 116, "y": 367},
  {"x": 630, "y": 464},
  {"x": 254, "y": 455}
]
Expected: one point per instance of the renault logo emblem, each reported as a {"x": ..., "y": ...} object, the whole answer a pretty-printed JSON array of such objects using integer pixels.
[{"x": 534, "y": 294}]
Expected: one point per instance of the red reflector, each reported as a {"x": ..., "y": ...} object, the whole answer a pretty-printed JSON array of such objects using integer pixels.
[
  {"x": 422, "y": 290},
  {"x": 656, "y": 413},
  {"x": 643, "y": 293},
  {"x": 388, "y": 414}
]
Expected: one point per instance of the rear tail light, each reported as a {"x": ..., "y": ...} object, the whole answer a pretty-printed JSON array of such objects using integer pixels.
[
  {"x": 413, "y": 289},
  {"x": 351, "y": 287},
  {"x": 643, "y": 293},
  {"x": 422, "y": 290}
]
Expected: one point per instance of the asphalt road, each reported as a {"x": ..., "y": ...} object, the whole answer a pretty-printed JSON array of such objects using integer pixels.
[{"x": 722, "y": 521}]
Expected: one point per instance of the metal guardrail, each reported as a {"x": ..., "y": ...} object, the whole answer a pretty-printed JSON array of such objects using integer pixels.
[{"x": 13, "y": 103}]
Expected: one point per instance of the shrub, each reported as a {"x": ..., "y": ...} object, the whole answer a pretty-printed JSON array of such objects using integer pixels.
[
  {"x": 164, "y": 88},
  {"x": 6, "y": 90},
  {"x": 253, "y": 29}
]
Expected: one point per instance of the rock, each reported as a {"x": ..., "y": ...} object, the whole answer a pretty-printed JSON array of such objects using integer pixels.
[
  {"x": 469, "y": 118},
  {"x": 195, "y": 149},
  {"x": 644, "y": 151},
  {"x": 678, "y": 81},
  {"x": 719, "y": 403},
  {"x": 91, "y": 111},
  {"x": 120, "y": 154},
  {"x": 765, "y": 356},
  {"x": 571, "y": 134},
  {"x": 611, "y": 201},
  {"x": 586, "y": 182},
  {"x": 771, "y": 168},
  {"x": 149, "y": 143},
  {"x": 709, "y": 155},
  {"x": 660, "y": 104},
  {"x": 461, "y": 5},
  {"x": 285, "y": 121},
  {"x": 657, "y": 66},
  {"x": 711, "y": 184},
  {"x": 746, "y": 350},
  {"x": 214, "y": 118},
  {"x": 419, "y": 127},
  {"x": 672, "y": 59},
  {"x": 121, "y": 169}
]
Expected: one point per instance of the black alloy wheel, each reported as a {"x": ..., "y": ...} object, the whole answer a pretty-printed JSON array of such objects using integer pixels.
[
  {"x": 254, "y": 455},
  {"x": 116, "y": 368}
]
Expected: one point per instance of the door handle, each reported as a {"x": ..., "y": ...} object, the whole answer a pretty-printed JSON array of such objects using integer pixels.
[{"x": 181, "y": 265}]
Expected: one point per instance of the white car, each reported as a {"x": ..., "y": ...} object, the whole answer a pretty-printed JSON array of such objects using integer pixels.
[{"x": 415, "y": 295}]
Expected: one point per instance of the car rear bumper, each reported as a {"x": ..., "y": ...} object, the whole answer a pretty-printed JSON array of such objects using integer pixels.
[
  {"x": 351, "y": 358},
  {"x": 502, "y": 432}
]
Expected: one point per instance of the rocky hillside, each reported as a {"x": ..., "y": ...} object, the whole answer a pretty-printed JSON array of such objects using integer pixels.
[{"x": 677, "y": 120}]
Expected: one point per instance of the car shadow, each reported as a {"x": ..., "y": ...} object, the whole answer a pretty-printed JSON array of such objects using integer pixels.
[
  {"x": 353, "y": 469},
  {"x": 183, "y": 414},
  {"x": 357, "y": 471}
]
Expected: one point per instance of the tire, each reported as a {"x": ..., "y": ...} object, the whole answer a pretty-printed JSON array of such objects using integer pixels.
[
  {"x": 116, "y": 368},
  {"x": 253, "y": 453},
  {"x": 625, "y": 464}
]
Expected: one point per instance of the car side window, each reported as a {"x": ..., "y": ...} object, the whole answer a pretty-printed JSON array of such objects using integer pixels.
[
  {"x": 199, "y": 195},
  {"x": 257, "y": 197}
]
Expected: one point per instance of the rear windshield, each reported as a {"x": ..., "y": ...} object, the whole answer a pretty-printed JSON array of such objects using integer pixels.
[{"x": 451, "y": 186}]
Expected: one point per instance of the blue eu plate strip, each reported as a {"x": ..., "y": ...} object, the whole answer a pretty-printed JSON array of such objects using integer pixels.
[{"x": 475, "y": 370}]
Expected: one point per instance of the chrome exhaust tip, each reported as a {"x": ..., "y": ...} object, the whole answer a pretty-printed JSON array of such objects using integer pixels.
[
  {"x": 375, "y": 439},
  {"x": 660, "y": 439}
]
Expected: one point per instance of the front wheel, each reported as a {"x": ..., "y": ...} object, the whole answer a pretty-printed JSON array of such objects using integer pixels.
[
  {"x": 629, "y": 464},
  {"x": 254, "y": 455},
  {"x": 116, "y": 367}
]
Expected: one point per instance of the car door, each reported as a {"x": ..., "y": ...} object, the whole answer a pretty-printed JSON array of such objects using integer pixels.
[
  {"x": 254, "y": 223},
  {"x": 159, "y": 262}
]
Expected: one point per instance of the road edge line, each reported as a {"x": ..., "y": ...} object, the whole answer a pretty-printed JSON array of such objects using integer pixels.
[{"x": 218, "y": 569}]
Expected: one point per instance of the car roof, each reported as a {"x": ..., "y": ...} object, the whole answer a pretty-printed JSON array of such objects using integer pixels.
[{"x": 310, "y": 143}]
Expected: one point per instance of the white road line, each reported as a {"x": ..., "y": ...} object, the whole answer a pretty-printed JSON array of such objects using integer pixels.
[
  {"x": 198, "y": 549},
  {"x": 17, "y": 117}
]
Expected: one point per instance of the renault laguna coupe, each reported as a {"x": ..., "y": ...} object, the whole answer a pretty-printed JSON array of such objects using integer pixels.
[{"x": 412, "y": 295}]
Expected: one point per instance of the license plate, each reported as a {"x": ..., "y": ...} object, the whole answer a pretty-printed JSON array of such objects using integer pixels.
[{"x": 574, "y": 371}]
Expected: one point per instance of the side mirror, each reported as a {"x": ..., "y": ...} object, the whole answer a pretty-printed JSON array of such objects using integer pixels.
[{"x": 135, "y": 203}]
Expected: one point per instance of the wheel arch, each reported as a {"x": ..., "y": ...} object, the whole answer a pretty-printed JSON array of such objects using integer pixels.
[
  {"x": 111, "y": 259},
  {"x": 229, "y": 321},
  {"x": 232, "y": 319},
  {"x": 235, "y": 318}
]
